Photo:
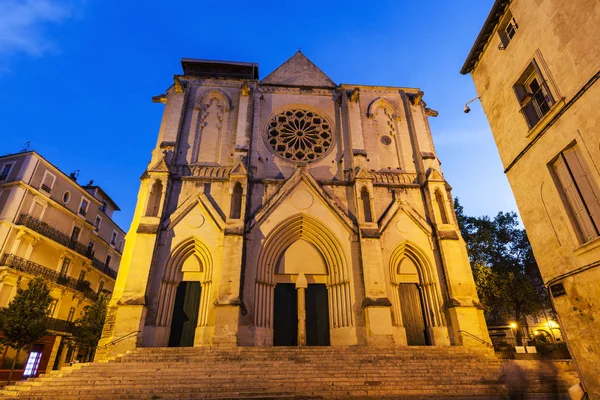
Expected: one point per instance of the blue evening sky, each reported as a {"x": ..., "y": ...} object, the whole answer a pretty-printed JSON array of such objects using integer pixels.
[{"x": 77, "y": 76}]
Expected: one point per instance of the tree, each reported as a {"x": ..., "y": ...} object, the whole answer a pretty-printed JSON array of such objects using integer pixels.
[
  {"x": 89, "y": 327},
  {"x": 23, "y": 322},
  {"x": 508, "y": 280}
]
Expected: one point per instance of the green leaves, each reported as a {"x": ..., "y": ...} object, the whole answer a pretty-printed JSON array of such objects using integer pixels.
[
  {"x": 23, "y": 322},
  {"x": 508, "y": 281},
  {"x": 89, "y": 326}
]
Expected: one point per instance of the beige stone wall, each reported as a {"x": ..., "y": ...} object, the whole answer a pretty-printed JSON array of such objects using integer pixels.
[
  {"x": 380, "y": 143},
  {"x": 562, "y": 37}
]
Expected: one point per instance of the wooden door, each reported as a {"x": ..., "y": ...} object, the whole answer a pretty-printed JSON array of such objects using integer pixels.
[
  {"x": 285, "y": 318},
  {"x": 185, "y": 314},
  {"x": 412, "y": 314},
  {"x": 317, "y": 316}
]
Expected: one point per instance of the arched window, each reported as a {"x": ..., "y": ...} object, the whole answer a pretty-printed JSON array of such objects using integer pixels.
[
  {"x": 439, "y": 198},
  {"x": 365, "y": 199},
  {"x": 154, "y": 199},
  {"x": 236, "y": 202}
]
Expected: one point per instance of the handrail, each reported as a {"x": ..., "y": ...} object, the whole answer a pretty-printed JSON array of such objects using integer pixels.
[
  {"x": 119, "y": 339},
  {"x": 488, "y": 344}
]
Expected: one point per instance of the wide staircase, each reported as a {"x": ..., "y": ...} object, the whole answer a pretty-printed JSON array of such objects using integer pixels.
[{"x": 287, "y": 373}]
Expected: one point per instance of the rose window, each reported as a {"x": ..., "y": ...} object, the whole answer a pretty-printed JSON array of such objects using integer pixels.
[{"x": 299, "y": 135}]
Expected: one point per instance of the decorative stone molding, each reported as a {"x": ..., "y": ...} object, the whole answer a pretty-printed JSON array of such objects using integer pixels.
[{"x": 394, "y": 178}]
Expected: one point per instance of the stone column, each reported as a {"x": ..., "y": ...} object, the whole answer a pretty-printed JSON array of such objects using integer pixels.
[{"x": 301, "y": 285}]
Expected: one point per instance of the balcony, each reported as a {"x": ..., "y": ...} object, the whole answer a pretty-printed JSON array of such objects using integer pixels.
[
  {"x": 537, "y": 104},
  {"x": 20, "y": 264},
  {"x": 102, "y": 267},
  {"x": 54, "y": 234},
  {"x": 60, "y": 325}
]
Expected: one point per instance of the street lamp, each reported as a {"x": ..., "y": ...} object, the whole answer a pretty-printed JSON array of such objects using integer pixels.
[
  {"x": 513, "y": 327},
  {"x": 467, "y": 109}
]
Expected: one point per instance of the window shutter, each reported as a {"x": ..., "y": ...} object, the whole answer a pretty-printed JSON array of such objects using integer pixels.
[
  {"x": 574, "y": 199},
  {"x": 585, "y": 182}
]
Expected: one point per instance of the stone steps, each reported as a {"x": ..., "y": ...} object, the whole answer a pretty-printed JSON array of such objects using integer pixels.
[{"x": 284, "y": 373}]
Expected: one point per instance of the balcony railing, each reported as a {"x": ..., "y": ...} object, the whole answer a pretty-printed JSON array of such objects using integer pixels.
[
  {"x": 60, "y": 325},
  {"x": 54, "y": 234},
  {"x": 21, "y": 264},
  {"x": 102, "y": 267},
  {"x": 537, "y": 105}
]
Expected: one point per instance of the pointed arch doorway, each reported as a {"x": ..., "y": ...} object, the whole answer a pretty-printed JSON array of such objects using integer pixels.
[
  {"x": 185, "y": 314},
  {"x": 301, "y": 308}
]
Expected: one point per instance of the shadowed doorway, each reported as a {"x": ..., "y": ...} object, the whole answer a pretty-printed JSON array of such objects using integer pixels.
[
  {"x": 185, "y": 314},
  {"x": 413, "y": 319},
  {"x": 317, "y": 315},
  {"x": 285, "y": 318}
]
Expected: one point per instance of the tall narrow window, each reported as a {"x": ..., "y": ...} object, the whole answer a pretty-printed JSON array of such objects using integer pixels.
[
  {"x": 83, "y": 207},
  {"x": 113, "y": 238},
  {"x": 47, "y": 182},
  {"x": 439, "y": 198},
  {"x": 64, "y": 269},
  {"x": 71, "y": 314},
  {"x": 365, "y": 199},
  {"x": 81, "y": 276},
  {"x": 75, "y": 233},
  {"x": 580, "y": 190},
  {"x": 534, "y": 95},
  {"x": 97, "y": 222},
  {"x": 5, "y": 171},
  {"x": 236, "y": 202},
  {"x": 52, "y": 308},
  {"x": 154, "y": 199},
  {"x": 107, "y": 263}
]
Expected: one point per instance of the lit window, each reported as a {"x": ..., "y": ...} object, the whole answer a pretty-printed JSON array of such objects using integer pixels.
[
  {"x": 534, "y": 95},
  {"x": 580, "y": 191},
  {"x": 33, "y": 362}
]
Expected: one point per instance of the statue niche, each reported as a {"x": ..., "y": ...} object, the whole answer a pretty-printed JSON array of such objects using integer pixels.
[{"x": 213, "y": 109}]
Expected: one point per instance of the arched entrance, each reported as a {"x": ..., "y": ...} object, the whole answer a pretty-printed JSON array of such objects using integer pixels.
[
  {"x": 415, "y": 301},
  {"x": 302, "y": 288},
  {"x": 185, "y": 295},
  {"x": 185, "y": 314}
]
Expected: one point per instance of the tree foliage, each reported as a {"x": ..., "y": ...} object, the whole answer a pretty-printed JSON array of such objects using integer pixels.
[
  {"x": 506, "y": 274},
  {"x": 23, "y": 322},
  {"x": 89, "y": 327}
]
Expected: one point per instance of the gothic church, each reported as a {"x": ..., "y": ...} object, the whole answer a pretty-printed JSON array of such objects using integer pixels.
[{"x": 292, "y": 211}]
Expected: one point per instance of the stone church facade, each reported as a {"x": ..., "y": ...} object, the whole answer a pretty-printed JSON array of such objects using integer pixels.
[{"x": 292, "y": 211}]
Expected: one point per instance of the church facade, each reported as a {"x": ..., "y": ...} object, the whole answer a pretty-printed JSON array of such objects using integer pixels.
[{"x": 292, "y": 211}]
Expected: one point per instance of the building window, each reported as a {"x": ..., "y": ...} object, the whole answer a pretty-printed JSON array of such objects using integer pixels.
[
  {"x": 580, "y": 191},
  {"x": 113, "y": 238},
  {"x": 507, "y": 30},
  {"x": 71, "y": 314},
  {"x": 107, "y": 263},
  {"x": 83, "y": 206},
  {"x": 439, "y": 198},
  {"x": 235, "y": 211},
  {"x": 534, "y": 95},
  {"x": 47, "y": 182},
  {"x": 52, "y": 308},
  {"x": 66, "y": 196},
  {"x": 154, "y": 199},
  {"x": 365, "y": 199},
  {"x": 75, "y": 233},
  {"x": 5, "y": 170},
  {"x": 90, "y": 249},
  {"x": 97, "y": 222},
  {"x": 36, "y": 210},
  {"x": 81, "y": 276},
  {"x": 64, "y": 269}
]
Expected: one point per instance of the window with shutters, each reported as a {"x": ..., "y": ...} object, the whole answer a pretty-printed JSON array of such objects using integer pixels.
[
  {"x": 47, "y": 182},
  {"x": 580, "y": 191},
  {"x": 534, "y": 95},
  {"x": 507, "y": 30}
]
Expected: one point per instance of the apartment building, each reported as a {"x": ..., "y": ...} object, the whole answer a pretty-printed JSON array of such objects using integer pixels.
[{"x": 51, "y": 226}]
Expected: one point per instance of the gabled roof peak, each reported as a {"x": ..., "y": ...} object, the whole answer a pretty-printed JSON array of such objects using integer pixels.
[{"x": 298, "y": 70}]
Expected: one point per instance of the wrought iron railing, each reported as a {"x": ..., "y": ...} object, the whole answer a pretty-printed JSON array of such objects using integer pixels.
[
  {"x": 21, "y": 264},
  {"x": 60, "y": 325},
  {"x": 480, "y": 340},
  {"x": 54, "y": 234},
  {"x": 537, "y": 105},
  {"x": 102, "y": 267}
]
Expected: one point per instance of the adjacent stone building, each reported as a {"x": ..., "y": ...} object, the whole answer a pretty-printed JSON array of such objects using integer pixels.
[
  {"x": 536, "y": 66},
  {"x": 292, "y": 211},
  {"x": 50, "y": 226}
]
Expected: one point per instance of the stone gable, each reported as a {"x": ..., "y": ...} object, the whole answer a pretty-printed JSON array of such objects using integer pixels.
[{"x": 298, "y": 71}]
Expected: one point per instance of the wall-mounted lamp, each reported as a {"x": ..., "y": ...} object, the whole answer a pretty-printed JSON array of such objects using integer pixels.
[{"x": 467, "y": 109}]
